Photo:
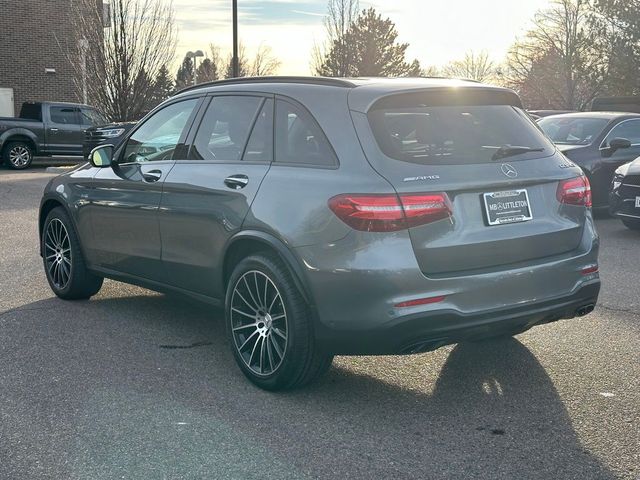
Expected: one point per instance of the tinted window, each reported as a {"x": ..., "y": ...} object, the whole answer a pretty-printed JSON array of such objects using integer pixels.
[
  {"x": 629, "y": 129},
  {"x": 89, "y": 116},
  {"x": 158, "y": 136},
  {"x": 454, "y": 134},
  {"x": 260, "y": 144},
  {"x": 224, "y": 128},
  {"x": 299, "y": 138},
  {"x": 572, "y": 130},
  {"x": 64, "y": 115}
]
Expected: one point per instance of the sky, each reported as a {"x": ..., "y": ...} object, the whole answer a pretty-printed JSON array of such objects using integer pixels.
[{"x": 437, "y": 31}]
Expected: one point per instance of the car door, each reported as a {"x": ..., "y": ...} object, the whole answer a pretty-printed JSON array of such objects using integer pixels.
[
  {"x": 65, "y": 133},
  {"x": 603, "y": 175},
  {"x": 207, "y": 194},
  {"x": 126, "y": 197}
]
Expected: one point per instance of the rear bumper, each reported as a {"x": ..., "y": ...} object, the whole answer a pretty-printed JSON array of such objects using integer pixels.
[{"x": 427, "y": 331}]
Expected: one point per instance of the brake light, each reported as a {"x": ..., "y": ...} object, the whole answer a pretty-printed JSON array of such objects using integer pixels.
[
  {"x": 389, "y": 213},
  {"x": 575, "y": 191}
]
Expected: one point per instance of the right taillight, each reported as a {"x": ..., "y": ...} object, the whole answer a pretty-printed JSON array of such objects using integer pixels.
[
  {"x": 390, "y": 213},
  {"x": 575, "y": 191}
]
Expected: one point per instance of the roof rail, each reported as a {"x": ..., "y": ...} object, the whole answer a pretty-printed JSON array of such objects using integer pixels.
[{"x": 327, "y": 81}]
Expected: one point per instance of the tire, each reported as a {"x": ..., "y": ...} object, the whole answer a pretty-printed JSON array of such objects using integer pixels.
[
  {"x": 62, "y": 258},
  {"x": 273, "y": 344},
  {"x": 17, "y": 155},
  {"x": 631, "y": 223}
]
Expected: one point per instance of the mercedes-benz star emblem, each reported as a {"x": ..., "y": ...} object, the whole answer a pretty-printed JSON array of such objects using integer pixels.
[{"x": 509, "y": 170}]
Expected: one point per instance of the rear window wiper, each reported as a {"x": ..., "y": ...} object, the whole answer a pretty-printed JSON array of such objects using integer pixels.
[{"x": 511, "y": 150}]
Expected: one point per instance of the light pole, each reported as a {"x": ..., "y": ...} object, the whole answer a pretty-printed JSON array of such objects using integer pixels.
[
  {"x": 83, "y": 44},
  {"x": 194, "y": 56},
  {"x": 235, "y": 65}
]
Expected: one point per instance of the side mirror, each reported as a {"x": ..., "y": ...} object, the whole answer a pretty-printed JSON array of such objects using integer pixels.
[
  {"x": 101, "y": 156},
  {"x": 618, "y": 143}
]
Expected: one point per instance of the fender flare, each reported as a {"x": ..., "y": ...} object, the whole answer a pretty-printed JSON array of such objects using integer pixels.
[
  {"x": 23, "y": 132},
  {"x": 285, "y": 253}
]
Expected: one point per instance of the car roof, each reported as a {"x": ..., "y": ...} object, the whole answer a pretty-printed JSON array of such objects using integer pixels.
[
  {"x": 363, "y": 91},
  {"x": 603, "y": 115}
]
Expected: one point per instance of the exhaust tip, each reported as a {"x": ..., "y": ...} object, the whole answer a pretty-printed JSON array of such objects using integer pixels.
[{"x": 585, "y": 310}]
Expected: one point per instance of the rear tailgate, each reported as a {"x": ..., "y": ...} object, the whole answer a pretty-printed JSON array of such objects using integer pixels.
[{"x": 504, "y": 206}]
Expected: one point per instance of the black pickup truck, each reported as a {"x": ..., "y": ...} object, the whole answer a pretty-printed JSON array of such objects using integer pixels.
[{"x": 46, "y": 128}]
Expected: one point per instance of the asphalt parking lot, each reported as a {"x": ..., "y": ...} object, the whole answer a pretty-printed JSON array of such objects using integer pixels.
[{"x": 138, "y": 385}]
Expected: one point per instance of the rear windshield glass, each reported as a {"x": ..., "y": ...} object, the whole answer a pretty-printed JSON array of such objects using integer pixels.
[
  {"x": 572, "y": 130},
  {"x": 457, "y": 134}
]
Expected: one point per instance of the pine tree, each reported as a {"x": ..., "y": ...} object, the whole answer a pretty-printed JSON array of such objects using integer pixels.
[
  {"x": 370, "y": 44},
  {"x": 184, "y": 77},
  {"x": 207, "y": 71},
  {"x": 163, "y": 86}
]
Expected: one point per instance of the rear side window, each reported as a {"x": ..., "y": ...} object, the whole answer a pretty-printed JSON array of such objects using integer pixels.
[
  {"x": 64, "y": 115},
  {"x": 456, "y": 134},
  {"x": 299, "y": 139},
  {"x": 225, "y": 128}
]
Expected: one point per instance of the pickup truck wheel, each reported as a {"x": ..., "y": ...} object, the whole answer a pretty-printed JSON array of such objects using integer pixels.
[{"x": 17, "y": 155}]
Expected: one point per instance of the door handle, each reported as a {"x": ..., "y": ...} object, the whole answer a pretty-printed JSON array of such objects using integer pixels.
[
  {"x": 152, "y": 176},
  {"x": 236, "y": 181},
  {"x": 53, "y": 130}
]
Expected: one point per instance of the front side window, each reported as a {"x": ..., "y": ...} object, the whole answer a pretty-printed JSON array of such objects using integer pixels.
[
  {"x": 299, "y": 138},
  {"x": 456, "y": 134},
  {"x": 157, "y": 138},
  {"x": 572, "y": 130},
  {"x": 64, "y": 115},
  {"x": 225, "y": 127},
  {"x": 629, "y": 129}
]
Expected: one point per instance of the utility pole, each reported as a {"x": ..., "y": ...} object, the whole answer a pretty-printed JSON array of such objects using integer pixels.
[{"x": 235, "y": 65}]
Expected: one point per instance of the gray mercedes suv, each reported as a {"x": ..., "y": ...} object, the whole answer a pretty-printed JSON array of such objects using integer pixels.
[{"x": 333, "y": 216}]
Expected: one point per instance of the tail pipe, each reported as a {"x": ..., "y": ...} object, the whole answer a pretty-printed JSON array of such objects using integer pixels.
[{"x": 585, "y": 309}]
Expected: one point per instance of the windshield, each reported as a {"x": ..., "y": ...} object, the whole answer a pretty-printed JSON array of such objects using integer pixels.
[
  {"x": 457, "y": 134},
  {"x": 572, "y": 130}
]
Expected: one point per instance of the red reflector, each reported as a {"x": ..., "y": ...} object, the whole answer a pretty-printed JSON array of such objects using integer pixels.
[
  {"x": 590, "y": 270},
  {"x": 575, "y": 191},
  {"x": 421, "y": 301},
  {"x": 389, "y": 213}
]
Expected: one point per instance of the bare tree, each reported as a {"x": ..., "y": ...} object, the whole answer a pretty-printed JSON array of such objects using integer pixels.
[
  {"x": 264, "y": 62},
  {"x": 562, "y": 62},
  {"x": 126, "y": 56},
  {"x": 474, "y": 66},
  {"x": 341, "y": 14}
]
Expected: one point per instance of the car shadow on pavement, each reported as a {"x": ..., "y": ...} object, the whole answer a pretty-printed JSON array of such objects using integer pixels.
[{"x": 131, "y": 406}]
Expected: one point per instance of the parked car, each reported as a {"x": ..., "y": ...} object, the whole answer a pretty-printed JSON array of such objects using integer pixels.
[
  {"x": 616, "y": 104},
  {"x": 45, "y": 128},
  {"x": 547, "y": 113},
  {"x": 599, "y": 142},
  {"x": 109, "y": 134},
  {"x": 333, "y": 216},
  {"x": 625, "y": 194}
]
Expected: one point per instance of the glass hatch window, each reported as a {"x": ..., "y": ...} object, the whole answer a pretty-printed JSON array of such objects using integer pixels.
[
  {"x": 457, "y": 134},
  {"x": 572, "y": 130}
]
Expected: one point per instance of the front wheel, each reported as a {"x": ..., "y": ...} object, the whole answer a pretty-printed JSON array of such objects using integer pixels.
[
  {"x": 64, "y": 264},
  {"x": 269, "y": 326},
  {"x": 17, "y": 155},
  {"x": 631, "y": 223}
]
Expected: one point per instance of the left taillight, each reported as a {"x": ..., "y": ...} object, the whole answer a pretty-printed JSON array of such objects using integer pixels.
[
  {"x": 389, "y": 213},
  {"x": 575, "y": 191}
]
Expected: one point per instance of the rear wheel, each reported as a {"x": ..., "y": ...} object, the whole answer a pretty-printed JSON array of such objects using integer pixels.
[
  {"x": 64, "y": 264},
  {"x": 17, "y": 155},
  {"x": 269, "y": 326},
  {"x": 631, "y": 223}
]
